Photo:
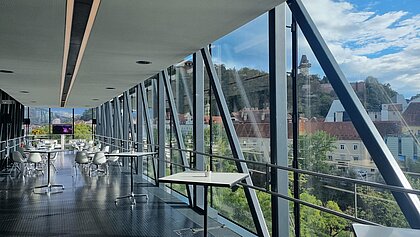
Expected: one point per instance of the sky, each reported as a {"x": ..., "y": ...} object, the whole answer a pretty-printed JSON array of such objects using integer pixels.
[{"x": 366, "y": 37}]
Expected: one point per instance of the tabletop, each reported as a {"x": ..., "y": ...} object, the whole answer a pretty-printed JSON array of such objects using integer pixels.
[
  {"x": 218, "y": 179},
  {"x": 44, "y": 151},
  {"x": 132, "y": 154},
  {"x": 370, "y": 230}
]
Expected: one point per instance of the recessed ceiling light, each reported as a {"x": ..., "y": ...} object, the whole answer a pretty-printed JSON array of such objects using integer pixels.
[
  {"x": 6, "y": 71},
  {"x": 110, "y": 88},
  {"x": 143, "y": 62},
  {"x": 24, "y": 92},
  {"x": 95, "y": 99}
]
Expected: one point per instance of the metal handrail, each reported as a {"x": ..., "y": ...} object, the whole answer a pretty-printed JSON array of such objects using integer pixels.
[{"x": 300, "y": 171}]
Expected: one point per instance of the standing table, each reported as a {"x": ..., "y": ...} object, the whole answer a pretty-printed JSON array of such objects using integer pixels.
[
  {"x": 49, "y": 185},
  {"x": 132, "y": 155},
  {"x": 216, "y": 179},
  {"x": 362, "y": 230}
]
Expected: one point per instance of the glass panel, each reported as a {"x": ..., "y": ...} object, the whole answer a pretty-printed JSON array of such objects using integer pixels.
[
  {"x": 83, "y": 124},
  {"x": 39, "y": 122},
  {"x": 241, "y": 61},
  {"x": 378, "y": 68}
]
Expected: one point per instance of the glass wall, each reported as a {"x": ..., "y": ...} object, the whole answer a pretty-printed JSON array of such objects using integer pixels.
[
  {"x": 241, "y": 61},
  {"x": 380, "y": 71}
]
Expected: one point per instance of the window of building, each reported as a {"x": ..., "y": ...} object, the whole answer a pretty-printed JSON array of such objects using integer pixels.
[
  {"x": 342, "y": 146},
  {"x": 330, "y": 157},
  {"x": 355, "y": 158},
  {"x": 355, "y": 146}
]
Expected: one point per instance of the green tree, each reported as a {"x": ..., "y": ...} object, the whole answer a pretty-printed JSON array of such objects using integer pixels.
[
  {"x": 377, "y": 94},
  {"x": 313, "y": 150},
  {"x": 334, "y": 225},
  {"x": 82, "y": 131}
]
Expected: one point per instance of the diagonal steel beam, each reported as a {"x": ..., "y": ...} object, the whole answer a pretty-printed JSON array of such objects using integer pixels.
[
  {"x": 149, "y": 130},
  {"x": 118, "y": 120},
  {"x": 110, "y": 122},
  {"x": 251, "y": 196},
  {"x": 178, "y": 134},
  {"x": 388, "y": 167},
  {"x": 129, "y": 115}
]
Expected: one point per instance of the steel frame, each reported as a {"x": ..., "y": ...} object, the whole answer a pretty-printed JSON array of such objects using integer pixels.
[
  {"x": 278, "y": 118},
  {"x": 176, "y": 123},
  {"x": 198, "y": 122},
  {"x": 250, "y": 194},
  {"x": 149, "y": 130},
  {"x": 161, "y": 127},
  {"x": 384, "y": 160}
]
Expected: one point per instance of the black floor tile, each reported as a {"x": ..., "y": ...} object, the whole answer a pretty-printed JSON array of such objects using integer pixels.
[{"x": 86, "y": 207}]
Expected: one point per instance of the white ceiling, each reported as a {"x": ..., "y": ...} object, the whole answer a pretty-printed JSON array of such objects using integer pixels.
[
  {"x": 125, "y": 31},
  {"x": 31, "y": 45}
]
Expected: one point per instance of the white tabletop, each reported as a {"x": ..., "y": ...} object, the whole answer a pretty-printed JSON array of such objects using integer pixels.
[
  {"x": 370, "y": 230},
  {"x": 218, "y": 179},
  {"x": 44, "y": 151},
  {"x": 131, "y": 154}
]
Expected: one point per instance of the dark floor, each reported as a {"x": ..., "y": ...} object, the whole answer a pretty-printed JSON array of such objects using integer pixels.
[{"x": 86, "y": 207}]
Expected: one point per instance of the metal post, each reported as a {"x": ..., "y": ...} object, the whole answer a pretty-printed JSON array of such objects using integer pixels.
[
  {"x": 161, "y": 127},
  {"x": 383, "y": 158},
  {"x": 49, "y": 123},
  {"x": 295, "y": 122},
  {"x": 139, "y": 129},
  {"x": 250, "y": 194},
  {"x": 278, "y": 118},
  {"x": 198, "y": 122},
  {"x": 125, "y": 118},
  {"x": 73, "y": 126}
]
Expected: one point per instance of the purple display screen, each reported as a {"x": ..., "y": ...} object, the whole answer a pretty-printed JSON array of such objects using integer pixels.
[{"x": 62, "y": 129}]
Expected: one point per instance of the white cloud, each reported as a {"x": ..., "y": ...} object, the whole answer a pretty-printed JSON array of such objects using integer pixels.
[{"x": 366, "y": 43}]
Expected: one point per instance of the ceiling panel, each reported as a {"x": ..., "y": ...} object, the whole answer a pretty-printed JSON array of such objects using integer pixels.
[
  {"x": 160, "y": 31},
  {"x": 31, "y": 45},
  {"x": 125, "y": 31}
]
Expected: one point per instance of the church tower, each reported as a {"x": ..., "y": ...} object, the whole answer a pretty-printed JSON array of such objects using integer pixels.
[{"x": 304, "y": 65}]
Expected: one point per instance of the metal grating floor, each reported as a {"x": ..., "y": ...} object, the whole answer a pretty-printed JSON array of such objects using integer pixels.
[{"x": 86, "y": 207}]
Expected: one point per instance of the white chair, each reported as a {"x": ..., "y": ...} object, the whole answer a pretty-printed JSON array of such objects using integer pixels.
[
  {"x": 105, "y": 149},
  {"x": 35, "y": 159},
  {"x": 80, "y": 159},
  {"x": 22, "y": 152},
  {"x": 114, "y": 159},
  {"x": 98, "y": 160},
  {"x": 18, "y": 160}
]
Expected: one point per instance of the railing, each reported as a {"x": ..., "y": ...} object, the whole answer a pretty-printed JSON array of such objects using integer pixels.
[
  {"x": 267, "y": 170},
  {"x": 5, "y": 148},
  {"x": 123, "y": 145}
]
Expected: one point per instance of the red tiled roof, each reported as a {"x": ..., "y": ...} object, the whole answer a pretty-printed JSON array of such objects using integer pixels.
[{"x": 412, "y": 114}]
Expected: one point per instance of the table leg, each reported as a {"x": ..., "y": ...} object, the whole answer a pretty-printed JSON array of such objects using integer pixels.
[
  {"x": 49, "y": 182},
  {"x": 205, "y": 210},
  {"x": 131, "y": 174},
  {"x": 49, "y": 185},
  {"x": 132, "y": 195}
]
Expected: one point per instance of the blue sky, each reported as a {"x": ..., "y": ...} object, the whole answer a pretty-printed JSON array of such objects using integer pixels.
[{"x": 367, "y": 38}]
